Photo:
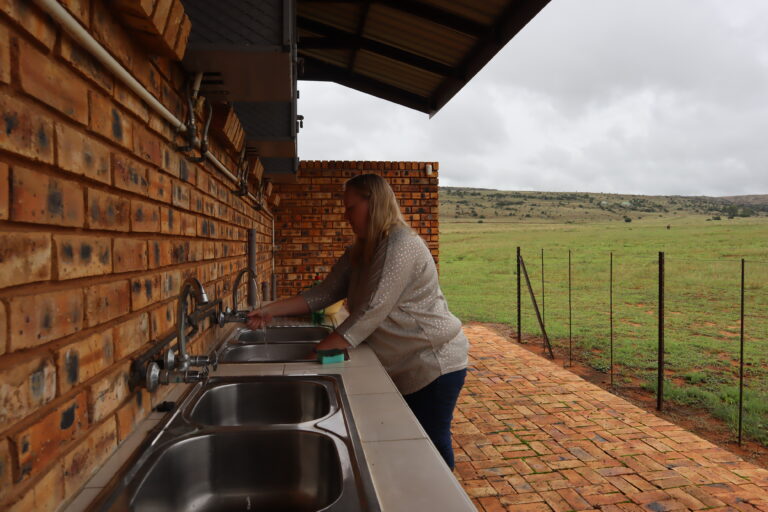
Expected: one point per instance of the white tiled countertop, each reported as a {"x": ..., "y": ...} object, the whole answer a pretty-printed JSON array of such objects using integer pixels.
[{"x": 407, "y": 471}]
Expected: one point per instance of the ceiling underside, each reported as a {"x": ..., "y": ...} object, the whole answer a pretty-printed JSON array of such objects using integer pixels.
[{"x": 417, "y": 53}]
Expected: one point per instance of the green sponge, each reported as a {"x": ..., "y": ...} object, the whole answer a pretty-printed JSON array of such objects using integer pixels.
[{"x": 334, "y": 355}]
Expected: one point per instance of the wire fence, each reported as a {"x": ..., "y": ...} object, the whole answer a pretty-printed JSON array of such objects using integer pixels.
[{"x": 690, "y": 331}]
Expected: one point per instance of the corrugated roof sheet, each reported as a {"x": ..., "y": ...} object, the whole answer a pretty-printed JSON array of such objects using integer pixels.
[{"x": 418, "y": 53}]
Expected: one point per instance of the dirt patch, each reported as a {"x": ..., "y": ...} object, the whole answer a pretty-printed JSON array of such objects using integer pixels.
[
  {"x": 630, "y": 322},
  {"x": 695, "y": 419},
  {"x": 729, "y": 334}
]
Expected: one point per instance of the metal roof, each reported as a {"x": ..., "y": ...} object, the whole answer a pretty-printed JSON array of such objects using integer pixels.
[{"x": 418, "y": 53}]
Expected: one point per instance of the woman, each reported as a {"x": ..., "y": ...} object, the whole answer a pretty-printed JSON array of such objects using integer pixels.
[{"x": 390, "y": 282}]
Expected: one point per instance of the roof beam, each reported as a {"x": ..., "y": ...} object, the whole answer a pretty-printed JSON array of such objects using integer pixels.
[
  {"x": 315, "y": 69},
  {"x": 425, "y": 11},
  {"x": 336, "y": 38}
]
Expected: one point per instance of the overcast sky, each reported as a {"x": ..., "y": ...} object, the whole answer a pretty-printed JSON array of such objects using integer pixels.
[{"x": 626, "y": 96}]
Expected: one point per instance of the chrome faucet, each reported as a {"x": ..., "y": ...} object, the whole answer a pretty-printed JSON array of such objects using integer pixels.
[
  {"x": 176, "y": 367},
  {"x": 230, "y": 315}
]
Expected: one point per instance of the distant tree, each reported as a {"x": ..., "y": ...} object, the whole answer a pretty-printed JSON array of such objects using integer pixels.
[{"x": 627, "y": 219}]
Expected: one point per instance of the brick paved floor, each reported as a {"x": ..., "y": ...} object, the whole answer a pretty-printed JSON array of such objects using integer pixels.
[{"x": 531, "y": 436}]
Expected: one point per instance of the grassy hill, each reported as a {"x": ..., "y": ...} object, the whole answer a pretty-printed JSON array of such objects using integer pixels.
[{"x": 488, "y": 205}]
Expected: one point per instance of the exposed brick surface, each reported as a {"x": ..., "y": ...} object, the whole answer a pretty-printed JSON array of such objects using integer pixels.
[
  {"x": 514, "y": 401},
  {"x": 3, "y": 329},
  {"x": 24, "y": 387},
  {"x": 52, "y": 83},
  {"x": 24, "y": 257},
  {"x": 89, "y": 181},
  {"x": 130, "y": 335},
  {"x": 5, "y": 54},
  {"x": 80, "y": 463},
  {"x": 36, "y": 319},
  {"x": 145, "y": 216},
  {"x": 130, "y": 254},
  {"x": 44, "y": 199},
  {"x": 24, "y": 130},
  {"x": 107, "y": 211},
  {"x": 5, "y": 184},
  {"x": 80, "y": 154},
  {"x": 83, "y": 359},
  {"x": 80, "y": 256},
  {"x": 106, "y": 301},
  {"x": 42, "y": 442},
  {"x": 310, "y": 227},
  {"x": 82, "y": 62},
  {"x": 109, "y": 121},
  {"x": 108, "y": 393}
]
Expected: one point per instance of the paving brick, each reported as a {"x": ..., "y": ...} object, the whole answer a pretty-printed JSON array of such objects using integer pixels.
[
  {"x": 37, "y": 319},
  {"x": 84, "y": 63},
  {"x": 40, "y": 444},
  {"x": 109, "y": 121},
  {"x": 81, "y": 462},
  {"x": 5, "y": 184},
  {"x": 79, "y": 361},
  {"x": 106, "y": 395},
  {"x": 24, "y": 257},
  {"x": 81, "y": 256},
  {"x": 145, "y": 290},
  {"x": 79, "y": 153},
  {"x": 106, "y": 301},
  {"x": 130, "y": 174},
  {"x": 130, "y": 254},
  {"x": 44, "y": 199},
  {"x": 145, "y": 216},
  {"x": 24, "y": 387},
  {"x": 131, "y": 335},
  {"x": 52, "y": 83},
  {"x": 107, "y": 211}
]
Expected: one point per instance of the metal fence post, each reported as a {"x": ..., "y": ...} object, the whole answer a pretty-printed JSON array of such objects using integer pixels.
[
  {"x": 660, "y": 381},
  {"x": 519, "y": 303},
  {"x": 543, "y": 315},
  {"x": 741, "y": 355},
  {"x": 570, "y": 314},
  {"x": 610, "y": 294}
]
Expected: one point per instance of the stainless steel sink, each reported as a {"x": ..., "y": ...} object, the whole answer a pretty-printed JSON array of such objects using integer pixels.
[
  {"x": 262, "y": 402},
  {"x": 263, "y": 470},
  {"x": 268, "y": 353},
  {"x": 284, "y": 334},
  {"x": 274, "y": 443}
]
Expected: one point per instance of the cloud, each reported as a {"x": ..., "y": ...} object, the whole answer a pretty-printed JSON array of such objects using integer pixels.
[{"x": 651, "y": 97}]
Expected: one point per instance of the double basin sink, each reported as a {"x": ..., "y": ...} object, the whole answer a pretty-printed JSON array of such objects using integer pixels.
[
  {"x": 282, "y": 345},
  {"x": 273, "y": 443}
]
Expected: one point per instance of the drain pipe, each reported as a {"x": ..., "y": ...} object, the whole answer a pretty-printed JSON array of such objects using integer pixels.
[{"x": 55, "y": 10}]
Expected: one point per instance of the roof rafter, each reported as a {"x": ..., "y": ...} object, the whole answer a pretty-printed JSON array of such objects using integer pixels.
[
  {"x": 337, "y": 38},
  {"x": 316, "y": 69},
  {"x": 425, "y": 11}
]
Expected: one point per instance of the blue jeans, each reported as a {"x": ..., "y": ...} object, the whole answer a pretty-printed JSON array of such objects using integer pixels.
[{"x": 433, "y": 407}]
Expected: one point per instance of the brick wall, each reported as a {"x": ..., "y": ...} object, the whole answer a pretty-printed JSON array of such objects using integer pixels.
[
  {"x": 100, "y": 221},
  {"x": 310, "y": 230}
]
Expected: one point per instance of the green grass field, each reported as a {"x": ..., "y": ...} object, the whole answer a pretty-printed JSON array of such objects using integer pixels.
[{"x": 477, "y": 268}]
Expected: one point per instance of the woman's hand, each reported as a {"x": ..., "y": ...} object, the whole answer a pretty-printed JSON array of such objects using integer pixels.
[
  {"x": 258, "y": 318},
  {"x": 333, "y": 340}
]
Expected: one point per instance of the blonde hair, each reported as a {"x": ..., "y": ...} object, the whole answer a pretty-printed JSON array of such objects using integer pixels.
[{"x": 383, "y": 213}]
